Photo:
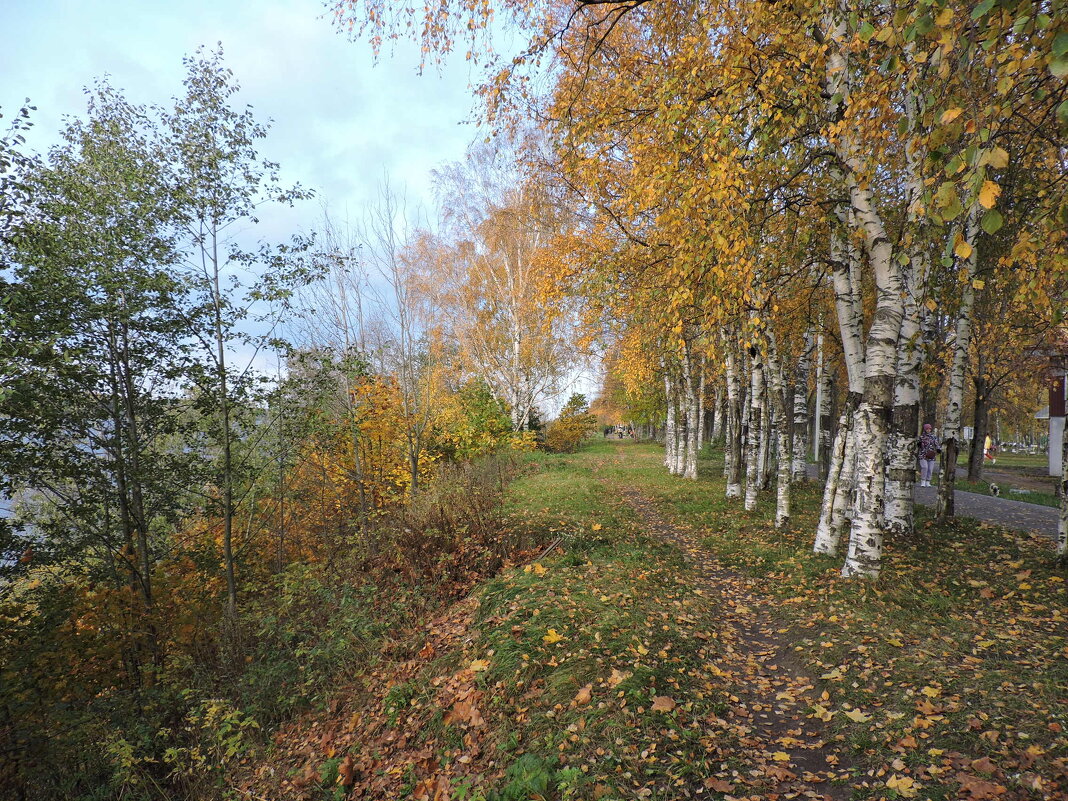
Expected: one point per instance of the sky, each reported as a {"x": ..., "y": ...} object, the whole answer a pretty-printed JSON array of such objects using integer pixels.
[{"x": 340, "y": 121}]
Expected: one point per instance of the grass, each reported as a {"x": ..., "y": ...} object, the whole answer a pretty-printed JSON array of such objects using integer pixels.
[
  {"x": 960, "y": 646},
  {"x": 1010, "y": 492},
  {"x": 580, "y": 645},
  {"x": 593, "y": 672}
]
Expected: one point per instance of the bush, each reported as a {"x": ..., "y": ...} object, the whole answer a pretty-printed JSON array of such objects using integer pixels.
[{"x": 575, "y": 423}]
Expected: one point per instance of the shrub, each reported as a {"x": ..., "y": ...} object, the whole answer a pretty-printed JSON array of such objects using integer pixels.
[{"x": 574, "y": 424}]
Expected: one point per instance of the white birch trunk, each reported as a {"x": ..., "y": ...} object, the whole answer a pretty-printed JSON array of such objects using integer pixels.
[
  {"x": 681, "y": 427},
  {"x": 693, "y": 417},
  {"x": 733, "y": 452},
  {"x": 838, "y": 490},
  {"x": 701, "y": 404},
  {"x": 955, "y": 400},
  {"x": 901, "y": 468},
  {"x": 1062, "y": 523},
  {"x": 821, "y": 394},
  {"x": 753, "y": 475},
  {"x": 800, "y": 428},
  {"x": 669, "y": 427},
  {"x": 766, "y": 443},
  {"x": 781, "y": 423},
  {"x": 823, "y": 420},
  {"x": 717, "y": 413},
  {"x": 864, "y": 555}
]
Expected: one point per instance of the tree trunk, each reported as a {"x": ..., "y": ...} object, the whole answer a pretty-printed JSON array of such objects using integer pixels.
[
  {"x": 825, "y": 423},
  {"x": 733, "y": 455},
  {"x": 980, "y": 421},
  {"x": 1062, "y": 523},
  {"x": 800, "y": 427},
  {"x": 753, "y": 476},
  {"x": 838, "y": 489},
  {"x": 901, "y": 464},
  {"x": 717, "y": 413},
  {"x": 693, "y": 416},
  {"x": 227, "y": 433},
  {"x": 669, "y": 427},
  {"x": 781, "y": 422},
  {"x": 701, "y": 409},
  {"x": 955, "y": 401},
  {"x": 901, "y": 470}
]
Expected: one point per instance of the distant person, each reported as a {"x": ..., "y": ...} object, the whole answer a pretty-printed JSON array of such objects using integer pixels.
[
  {"x": 990, "y": 451},
  {"x": 928, "y": 452}
]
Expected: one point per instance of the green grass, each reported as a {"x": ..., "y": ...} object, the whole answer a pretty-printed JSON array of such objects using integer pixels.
[
  {"x": 614, "y": 613},
  {"x": 1026, "y": 496},
  {"x": 1011, "y": 460},
  {"x": 965, "y": 631}
]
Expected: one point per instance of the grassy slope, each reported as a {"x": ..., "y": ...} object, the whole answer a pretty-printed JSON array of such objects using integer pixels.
[{"x": 592, "y": 673}]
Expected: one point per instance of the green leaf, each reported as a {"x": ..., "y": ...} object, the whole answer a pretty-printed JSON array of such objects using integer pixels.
[
  {"x": 1062, "y": 112},
  {"x": 867, "y": 30},
  {"x": 983, "y": 8},
  {"x": 1059, "y": 66},
  {"x": 992, "y": 221},
  {"x": 1060, "y": 44}
]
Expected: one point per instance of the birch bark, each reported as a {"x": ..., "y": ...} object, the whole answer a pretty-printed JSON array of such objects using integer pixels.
[
  {"x": 901, "y": 467},
  {"x": 753, "y": 475},
  {"x": 717, "y": 413},
  {"x": 1062, "y": 523},
  {"x": 733, "y": 454},
  {"x": 800, "y": 428},
  {"x": 955, "y": 401},
  {"x": 669, "y": 427},
  {"x": 693, "y": 415},
  {"x": 701, "y": 405},
  {"x": 781, "y": 423}
]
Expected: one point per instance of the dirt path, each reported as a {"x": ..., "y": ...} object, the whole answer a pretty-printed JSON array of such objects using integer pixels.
[{"x": 773, "y": 709}]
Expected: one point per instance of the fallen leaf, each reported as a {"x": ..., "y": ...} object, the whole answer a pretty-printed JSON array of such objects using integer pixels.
[
  {"x": 618, "y": 677},
  {"x": 904, "y": 786},
  {"x": 552, "y": 636},
  {"x": 719, "y": 785},
  {"x": 662, "y": 703},
  {"x": 584, "y": 695}
]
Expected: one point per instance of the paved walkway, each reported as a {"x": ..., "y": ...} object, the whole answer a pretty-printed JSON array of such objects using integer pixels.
[{"x": 999, "y": 511}]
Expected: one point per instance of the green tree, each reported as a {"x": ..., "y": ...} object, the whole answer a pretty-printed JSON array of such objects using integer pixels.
[{"x": 219, "y": 183}]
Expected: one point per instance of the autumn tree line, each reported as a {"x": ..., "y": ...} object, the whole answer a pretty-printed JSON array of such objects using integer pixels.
[
  {"x": 233, "y": 466},
  {"x": 770, "y": 197}
]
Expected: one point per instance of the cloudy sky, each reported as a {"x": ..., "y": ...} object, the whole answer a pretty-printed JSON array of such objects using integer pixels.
[{"x": 340, "y": 121}]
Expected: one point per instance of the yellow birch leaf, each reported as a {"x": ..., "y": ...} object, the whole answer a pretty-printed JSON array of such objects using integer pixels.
[
  {"x": 962, "y": 248},
  {"x": 904, "y": 786},
  {"x": 951, "y": 114},
  {"x": 988, "y": 195},
  {"x": 781, "y": 756},
  {"x": 998, "y": 158}
]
